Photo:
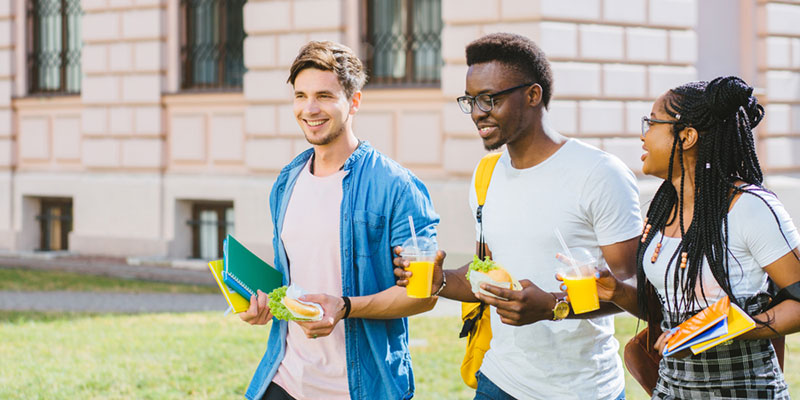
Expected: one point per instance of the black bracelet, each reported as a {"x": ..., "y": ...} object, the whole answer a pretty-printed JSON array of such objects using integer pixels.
[
  {"x": 444, "y": 283},
  {"x": 346, "y": 306}
]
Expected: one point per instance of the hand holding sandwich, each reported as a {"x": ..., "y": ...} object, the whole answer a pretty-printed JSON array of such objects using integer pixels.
[
  {"x": 333, "y": 312},
  {"x": 523, "y": 307},
  {"x": 517, "y": 302}
]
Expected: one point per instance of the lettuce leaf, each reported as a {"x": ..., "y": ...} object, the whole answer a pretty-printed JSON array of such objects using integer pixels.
[
  {"x": 483, "y": 266},
  {"x": 277, "y": 308}
]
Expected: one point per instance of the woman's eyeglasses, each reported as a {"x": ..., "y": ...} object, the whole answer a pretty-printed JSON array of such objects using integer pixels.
[{"x": 647, "y": 122}]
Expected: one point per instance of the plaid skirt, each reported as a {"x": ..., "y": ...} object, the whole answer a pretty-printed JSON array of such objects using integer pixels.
[{"x": 741, "y": 369}]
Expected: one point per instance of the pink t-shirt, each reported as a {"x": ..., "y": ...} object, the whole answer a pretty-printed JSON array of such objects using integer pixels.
[{"x": 314, "y": 368}]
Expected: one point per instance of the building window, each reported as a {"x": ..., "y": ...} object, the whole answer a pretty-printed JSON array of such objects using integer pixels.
[
  {"x": 212, "y": 34},
  {"x": 211, "y": 222},
  {"x": 402, "y": 42},
  {"x": 55, "y": 222},
  {"x": 54, "y": 46}
]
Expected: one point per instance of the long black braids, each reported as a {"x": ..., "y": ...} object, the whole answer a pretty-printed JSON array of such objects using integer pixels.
[{"x": 724, "y": 113}]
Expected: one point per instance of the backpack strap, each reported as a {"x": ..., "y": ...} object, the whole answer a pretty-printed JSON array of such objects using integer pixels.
[{"x": 483, "y": 176}]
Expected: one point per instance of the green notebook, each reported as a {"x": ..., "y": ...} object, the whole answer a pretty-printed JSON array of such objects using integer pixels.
[{"x": 245, "y": 273}]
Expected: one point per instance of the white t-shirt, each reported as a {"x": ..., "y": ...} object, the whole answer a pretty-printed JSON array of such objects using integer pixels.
[
  {"x": 754, "y": 242},
  {"x": 314, "y": 368},
  {"x": 593, "y": 199}
]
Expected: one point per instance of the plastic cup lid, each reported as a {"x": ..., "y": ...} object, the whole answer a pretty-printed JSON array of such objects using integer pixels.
[{"x": 426, "y": 246}]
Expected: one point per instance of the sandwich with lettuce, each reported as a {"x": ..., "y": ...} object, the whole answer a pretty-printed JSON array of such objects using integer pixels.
[
  {"x": 285, "y": 306},
  {"x": 489, "y": 271}
]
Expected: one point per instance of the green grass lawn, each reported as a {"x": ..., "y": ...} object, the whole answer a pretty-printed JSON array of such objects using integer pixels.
[
  {"x": 52, "y": 355},
  {"x": 27, "y": 280},
  {"x": 197, "y": 356}
]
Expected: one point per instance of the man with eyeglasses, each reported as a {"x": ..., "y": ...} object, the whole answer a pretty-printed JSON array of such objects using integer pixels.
[{"x": 543, "y": 181}]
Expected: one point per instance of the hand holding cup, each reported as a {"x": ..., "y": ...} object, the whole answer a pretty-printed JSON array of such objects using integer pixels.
[
  {"x": 578, "y": 272},
  {"x": 420, "y": 253}
]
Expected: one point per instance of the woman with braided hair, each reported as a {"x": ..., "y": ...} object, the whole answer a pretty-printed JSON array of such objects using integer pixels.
[{"x": 712, "y": 230}]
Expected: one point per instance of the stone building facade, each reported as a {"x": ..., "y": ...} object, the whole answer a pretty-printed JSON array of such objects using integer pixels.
[{"x": 135, "y": 162}]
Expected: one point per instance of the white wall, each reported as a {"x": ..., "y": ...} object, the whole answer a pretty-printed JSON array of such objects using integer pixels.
[{"x": 719, "y": 49}]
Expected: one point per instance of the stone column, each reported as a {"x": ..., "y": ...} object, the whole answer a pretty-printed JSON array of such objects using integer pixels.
[
  {"x": 124, "y": 74},
  {"x": 275, "y": 32},
  {"x": 118, "y": 210},
  {"x": 8, "y": 32},
  {"x": 779, "y": 74}
]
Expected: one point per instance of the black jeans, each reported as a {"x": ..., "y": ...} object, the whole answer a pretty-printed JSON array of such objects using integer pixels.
[{"x": 275, "y": 392}]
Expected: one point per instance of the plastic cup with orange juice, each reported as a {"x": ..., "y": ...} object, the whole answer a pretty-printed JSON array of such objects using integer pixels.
[
  {"x": 420, "y": 252},
  {"x": 578, "y": 274}
]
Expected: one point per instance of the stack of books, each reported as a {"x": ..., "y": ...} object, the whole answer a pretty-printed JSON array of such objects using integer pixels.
[
  {"x": 240, "y": 274},
  {"x": 720, "y": 322}
]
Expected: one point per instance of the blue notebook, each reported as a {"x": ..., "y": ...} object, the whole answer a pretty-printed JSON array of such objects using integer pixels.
[{"x": 245, "y": 272}]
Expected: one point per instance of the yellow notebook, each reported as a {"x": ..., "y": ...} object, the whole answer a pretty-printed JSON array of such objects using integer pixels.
[
  {"x": 738, "y": 323},
  {"x": 235, "y": 300}
]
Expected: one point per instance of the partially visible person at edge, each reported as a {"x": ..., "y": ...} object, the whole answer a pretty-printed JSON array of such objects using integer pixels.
[
  {"x": 337, "y": 210},
  {"x": 542, "y": 181},
  {"x": 712, "y": 230}
]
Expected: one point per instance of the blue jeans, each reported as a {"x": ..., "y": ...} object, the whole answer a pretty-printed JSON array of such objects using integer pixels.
[{"x": 489, "y": 391}]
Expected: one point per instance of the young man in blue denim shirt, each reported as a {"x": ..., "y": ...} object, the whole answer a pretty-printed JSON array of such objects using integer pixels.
[{"x": 337, "y": 210}]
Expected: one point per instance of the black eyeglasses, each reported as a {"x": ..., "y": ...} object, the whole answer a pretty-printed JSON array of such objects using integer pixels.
[
  {"x": 484, "y": 101},
  {"x": 647, "y": 122}
]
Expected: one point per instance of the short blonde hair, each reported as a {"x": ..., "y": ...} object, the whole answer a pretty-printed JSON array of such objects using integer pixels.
[{"x": 331, "y": 56}]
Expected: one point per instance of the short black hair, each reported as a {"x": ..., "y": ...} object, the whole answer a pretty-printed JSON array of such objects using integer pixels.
[{"x": 517, "y": 52}]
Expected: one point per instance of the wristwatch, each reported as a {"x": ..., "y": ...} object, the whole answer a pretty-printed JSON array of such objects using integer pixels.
[{"x": 561, "y": 309}]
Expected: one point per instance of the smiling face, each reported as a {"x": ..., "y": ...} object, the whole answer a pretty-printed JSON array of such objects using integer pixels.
[
  {"x": 321, "y": 106},
  {"x": 657, "y": 142},
  {"x": 506, "y": 122}
]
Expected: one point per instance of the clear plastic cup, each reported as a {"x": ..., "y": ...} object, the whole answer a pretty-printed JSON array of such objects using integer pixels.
[
  {"x": 580, "y": 279},
  {"x": 420, "y": 256}
]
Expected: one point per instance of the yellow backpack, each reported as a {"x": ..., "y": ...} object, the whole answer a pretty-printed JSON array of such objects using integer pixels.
[{"x": 476, "y": 317}]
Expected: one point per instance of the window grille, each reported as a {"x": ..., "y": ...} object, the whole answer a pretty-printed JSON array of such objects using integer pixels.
[
  {"x": 55, "y": 223},
  {"x": 403, "y": 42},
  {"x": 211, "y": 223},
  {"x": 211, "y": 44},
  {"x": 54, "y": 46}
]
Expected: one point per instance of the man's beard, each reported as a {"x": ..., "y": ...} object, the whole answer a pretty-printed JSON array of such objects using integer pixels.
[
  {"x": 330, "y": 137},
  {"x": 493, "y": 146},
  {"x": 502, "y": 140},
  {"x": 490, "y": 146},
  {"x": 322, "y": 141}
]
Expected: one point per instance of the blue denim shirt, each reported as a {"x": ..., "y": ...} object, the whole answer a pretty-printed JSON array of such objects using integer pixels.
[{"x": 378, "y": 195}]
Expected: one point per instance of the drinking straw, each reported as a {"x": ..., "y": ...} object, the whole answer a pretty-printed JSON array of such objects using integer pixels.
[
  {"x": 413, "y": 232},
  {"x": 566, "y": 250}
]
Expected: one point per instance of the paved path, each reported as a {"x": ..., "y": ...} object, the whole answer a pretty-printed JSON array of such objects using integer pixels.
[
  {"x": 110, "y": 302},
  {"x": 128, "y": 302},
  {"x": 141, "y": 302},
  {"x": 112, "y": 267}
]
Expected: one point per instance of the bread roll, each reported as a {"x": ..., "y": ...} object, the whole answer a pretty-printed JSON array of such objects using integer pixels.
[
  {"x": 499, "y": 275},
  {"x": 299, "y": 308}
]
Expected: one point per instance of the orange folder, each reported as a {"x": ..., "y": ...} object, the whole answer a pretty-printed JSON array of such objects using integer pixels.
[
  {"x": 699, "y": 324},
  {"x": 738, "y": 323}
]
